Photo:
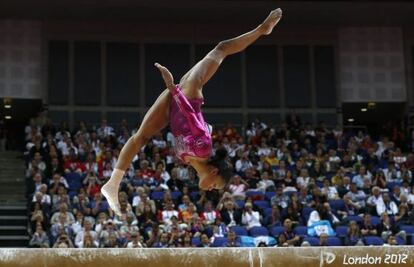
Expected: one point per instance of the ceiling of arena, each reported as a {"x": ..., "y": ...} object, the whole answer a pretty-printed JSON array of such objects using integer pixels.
[{"x": 350, "y": 12}]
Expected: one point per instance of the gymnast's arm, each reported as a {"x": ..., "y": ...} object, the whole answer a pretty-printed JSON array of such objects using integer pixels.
[{"x": 196, "y": 127}]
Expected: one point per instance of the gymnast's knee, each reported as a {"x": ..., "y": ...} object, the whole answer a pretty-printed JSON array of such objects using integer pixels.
[
  {"x": 222, "y": 47},
  {"x": 219, "y": 52},
  {"x": 140, "y": 139}
]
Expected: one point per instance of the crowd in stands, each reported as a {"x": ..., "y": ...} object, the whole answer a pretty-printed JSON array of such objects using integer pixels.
[{"x": 293, "y": 183}]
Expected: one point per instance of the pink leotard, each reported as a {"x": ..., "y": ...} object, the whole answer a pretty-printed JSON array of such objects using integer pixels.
[{"x": 192, "y": 135}]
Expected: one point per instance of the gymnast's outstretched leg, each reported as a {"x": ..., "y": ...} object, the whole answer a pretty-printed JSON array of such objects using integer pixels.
[
  {"x": 192, "y": 82},
  {"x": 154, "y": 121}
]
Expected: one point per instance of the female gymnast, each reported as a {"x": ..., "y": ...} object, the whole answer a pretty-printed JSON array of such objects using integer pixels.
[{"x": 181, "y": 106}]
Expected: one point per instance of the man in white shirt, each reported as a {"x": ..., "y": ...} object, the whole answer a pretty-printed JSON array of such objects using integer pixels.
[
  {"x": 87, "y": 228},
  {"x": 250, "y": 218},
  {"x": 359, "y": 178},
  {"x": 303, "y": 179},
  {"x": 391, "y": 173},
  {"x": 243, "y": 163},
  {"x": 375, "y": 199},
  {"x": 387, "y": 205}
]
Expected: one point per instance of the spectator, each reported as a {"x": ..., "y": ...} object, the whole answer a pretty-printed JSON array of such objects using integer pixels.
[
  {"x": 230, "y": 215},
  {"x": 168, "y": 213},
  {"x": 232, "y": 240},
  {"x": 250, "y": 218},
  {"x": 290, "y": 236},
  {"x": 61, "y": 226},
  {"x": 403, "y": 217},
  {"x": 375, "y": 200},
  {"x": 329, "y": 191},
  {"x": 238, "y": 187},
  {"x": 350, "y": 208},
  {"x": 135, "y": 241},
  {"x": 280, "y": 199},
  {"x": 204, "y": 241},
  {"x": 357, "y": 196},
  {"x": 367, "y": 228},
  {"x": 323, "y": 240},
  {"x": 359, "y": 178},
  {"x": 209, "y": 215},
  {"x": 303, "y": 179},
  {"x": 63, "y": 210},
  {"x": 243, "y": 163},
  {"x": 40, "y": 238},
  {"x": 387, "y": 228},
  {"x": 387, "y": 205},
  {"x": 273, "y": 219},
  {"x": 63, "y": 241},
  {"x": 91, "y": 239},
  {"x": 322, "y": 212},
  {"x": 163, "y": 243},
  {"x": 354, "y": 235}
]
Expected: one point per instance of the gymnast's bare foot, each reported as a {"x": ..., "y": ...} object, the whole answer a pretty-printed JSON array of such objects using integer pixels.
[
  {"x": 110, "y": 192},
  {"x": 270, "y": 22}
]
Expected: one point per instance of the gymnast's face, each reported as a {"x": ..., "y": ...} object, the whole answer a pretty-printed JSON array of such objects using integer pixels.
[{"x": 211, "y": 180}]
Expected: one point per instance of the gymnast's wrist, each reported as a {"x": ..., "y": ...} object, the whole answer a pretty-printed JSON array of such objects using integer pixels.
[{"x": 173, "y": 89}]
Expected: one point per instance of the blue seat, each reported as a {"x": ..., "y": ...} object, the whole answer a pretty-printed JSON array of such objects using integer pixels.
[
  {"x": 391, "y": 185},
  {"x": 239, "y": 230},
  {"x": 176, "y": 194},
  {"x": 334, "y": 241},
  {"x": 373, "y": 241},
  {"x": 301, "y": 231},
  {"x": 259, "y": 231},
  {"x": 157, "y": 195},
  {"x": 277, "y": 230},
  {"x": 195, "y": 241},
  {"x": 313, "y": 241},
  {"x": 74, "y": 180},
  {"x": 267, "y": 212},
  {"x": 409, "y": 229},
  {"x": 194, "y": 195},
  {"x": 375, "y": 220},
  {"x": 261, "y": 204},
  {"x": 269, "y": 195},
  {"x": 219, "y": 242},
  {"x": 306, "y": 211},
  {"x": 319, "y": 184},
  {"x": 71, "y": 194},
  {"x": 240, "y": 203},
  {"x": 341, "y": 231},
  {"x": 337, "y": 204},
  {"x": 400, "y": 241},
  {"x": 356, "y": 218}
]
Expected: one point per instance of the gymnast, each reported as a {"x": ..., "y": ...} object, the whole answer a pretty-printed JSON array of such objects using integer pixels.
[{"x": 180, "y": 105}]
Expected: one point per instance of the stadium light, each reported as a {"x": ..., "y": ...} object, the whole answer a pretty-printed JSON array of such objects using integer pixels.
[
  {"x": 364, "y": 109},
  {"x": 8, "y": 117},
  {"x": 351, "y": 120}
]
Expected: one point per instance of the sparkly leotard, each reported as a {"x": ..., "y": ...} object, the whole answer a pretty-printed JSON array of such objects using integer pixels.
[{"x": 192, "y": 135}]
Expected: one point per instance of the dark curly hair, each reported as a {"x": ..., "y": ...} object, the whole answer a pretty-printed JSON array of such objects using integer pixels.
[{"x": 220, "y": 161}]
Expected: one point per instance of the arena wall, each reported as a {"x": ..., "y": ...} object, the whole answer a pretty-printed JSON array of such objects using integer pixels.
[{"x": 201, "y": 257}]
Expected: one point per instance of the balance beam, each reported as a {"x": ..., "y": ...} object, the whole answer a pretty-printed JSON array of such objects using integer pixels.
[{"x": 211, "y": 257}]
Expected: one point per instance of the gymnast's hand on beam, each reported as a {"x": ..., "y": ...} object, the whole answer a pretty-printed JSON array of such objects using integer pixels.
[{"x": 167, "y": 76}]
